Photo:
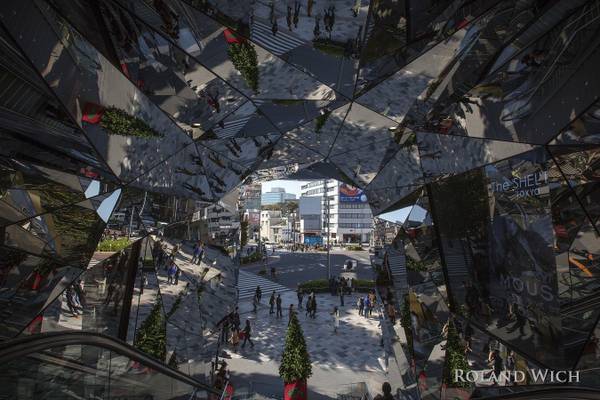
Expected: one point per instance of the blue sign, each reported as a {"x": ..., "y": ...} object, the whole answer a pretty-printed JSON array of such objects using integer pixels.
[
  {"x": 313, "y": 240},
  {"x": 351, "y": 194}
]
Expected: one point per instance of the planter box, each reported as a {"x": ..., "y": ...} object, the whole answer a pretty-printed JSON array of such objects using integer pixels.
[{"x": 295, "y": 390}]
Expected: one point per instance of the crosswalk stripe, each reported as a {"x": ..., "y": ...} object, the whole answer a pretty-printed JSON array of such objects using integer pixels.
[
  {"x": 278, "y": 44},
  {"x": 231, "y": 128},
  {"x": 248, "y": 282}
]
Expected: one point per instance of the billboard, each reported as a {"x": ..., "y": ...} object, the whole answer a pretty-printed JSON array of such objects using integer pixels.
[
  {"x": 313, "y": 240},
  {"x": 351, "y": 194}
]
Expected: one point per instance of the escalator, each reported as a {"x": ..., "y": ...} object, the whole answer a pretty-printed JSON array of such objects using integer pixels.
[{"x": 77, "y": 365}]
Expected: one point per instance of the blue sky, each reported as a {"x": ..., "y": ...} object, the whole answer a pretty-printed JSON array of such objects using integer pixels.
[{"x": 289, "y": 186}]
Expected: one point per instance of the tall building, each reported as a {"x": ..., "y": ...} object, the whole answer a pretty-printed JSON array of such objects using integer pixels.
[
  {"x": 250, "y": 196},
  {"x": 275, "y": 196},
  {"x": 351, "y": 220}
]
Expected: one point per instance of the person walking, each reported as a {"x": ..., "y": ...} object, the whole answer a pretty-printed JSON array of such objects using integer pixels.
[
  {"x": 367, "y": 304},
  {"x": 272, "y": 303},
  {"x": 336, "y": 319},
  {"x": 341, "y": 293},
  {"x": 171, "y": 273},
  {"x": 177, "y": 274},
  {"x": 258, "y": 293},
  {"x": 247, "y": 334},
  {"x": 297, "y": 7},
  {"x": 290, "y": 312},
  {"x": 200, "y": 253},
  {"x": 254, "y": 303},
  {"x": 391, "y": 313},
  {"x": 279, "y": 311},
  {"x": 236, "y": 320},
  {"x": 361, "y": 305},
  {"x": 356, "y": 8},
  {"x": 274, "y": 27},
  {"x": 288, "y": 18},
  {"x": 300, "y": 296}
]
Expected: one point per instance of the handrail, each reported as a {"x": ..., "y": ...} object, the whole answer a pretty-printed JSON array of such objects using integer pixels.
[{"x": 21, "y": 347}]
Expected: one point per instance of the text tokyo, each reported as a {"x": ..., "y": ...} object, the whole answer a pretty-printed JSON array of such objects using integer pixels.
[{"x": 528, "y": 185}]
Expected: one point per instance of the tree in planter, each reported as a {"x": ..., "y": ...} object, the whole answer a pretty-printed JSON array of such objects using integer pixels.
[
  {"x": 295, "y": 366},
  {"x": 118, "y": 122},
  {"x": 455, "y": 358},
  {"x": 151, "y": 338},
  {"x": 243, "y": 56}
]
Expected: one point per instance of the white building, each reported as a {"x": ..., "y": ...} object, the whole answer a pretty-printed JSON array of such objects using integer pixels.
[
  {"x": 351, "y": 220},
  {"x": 272, "y": 226}
]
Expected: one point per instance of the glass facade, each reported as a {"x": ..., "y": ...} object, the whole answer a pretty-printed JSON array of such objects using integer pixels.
[{"x": 122, "y": 122}]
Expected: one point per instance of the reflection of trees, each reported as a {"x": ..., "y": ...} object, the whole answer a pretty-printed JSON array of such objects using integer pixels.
[
  {"x": 244, "y": 59},
  {"x": 461, "y": 204}
]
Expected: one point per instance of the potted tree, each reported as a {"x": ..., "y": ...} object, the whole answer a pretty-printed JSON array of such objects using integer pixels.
[{"x": 295, "y": 366}]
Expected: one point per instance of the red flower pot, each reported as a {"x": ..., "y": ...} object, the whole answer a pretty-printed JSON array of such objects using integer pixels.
[{"x": 295, "y": 390}]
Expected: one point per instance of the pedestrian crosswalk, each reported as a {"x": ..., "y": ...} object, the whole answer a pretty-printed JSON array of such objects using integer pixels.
[
  {"x": 231, "y": 128},
  {"x": 278, "y": 44},
  {"x": 248, "y": 282}
]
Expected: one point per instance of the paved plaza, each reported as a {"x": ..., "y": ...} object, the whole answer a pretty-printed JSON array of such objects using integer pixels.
[{"x": 353, "y": 355}]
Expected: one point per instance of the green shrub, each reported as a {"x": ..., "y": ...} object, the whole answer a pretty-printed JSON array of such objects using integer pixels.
[
  {"x": 364, "y": 283},
  {"x": 113, "y": 244},
  {"x": 316, "y": 285},
  {"x": 354, "y": 248},
  {"x": 118, "y": 122},
  {"x": 415, "y": 265},
  {"x": 244, "y": 59},
  {"x": 455, "y": 358},
  {"x": 151, "y": 338},
  {"x": 254, "y": 257},
  {"x": 330, "y": 47}
]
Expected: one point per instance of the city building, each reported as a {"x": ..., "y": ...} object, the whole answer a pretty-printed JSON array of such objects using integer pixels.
[
  {"x": 272, "y": 226},
  {"x": 250, "y": 196},
  {"x": 310, "y": 213},
  {"x": 351, "y": 220},
  {"x": 276, "y": 196}
]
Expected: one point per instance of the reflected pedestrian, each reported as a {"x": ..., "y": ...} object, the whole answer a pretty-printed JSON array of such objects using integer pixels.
[
  {"x": 356, "y": 8},
  {"x": 300, "y": 296},
  {"x": 279, "y": 310},
  {"x": 272, "y": 303},
  {"x": 274, "y": 27},
  {"x": 361, "y": 305},
  {"x": 247, "y": 334},
  {"x": 258, "y": 293},
  {"x": 309, "y": 6},
  {"x": 336, "y": 319},
  {"x": 288, "y": 18},
  {"x": 297, "y": 7}
]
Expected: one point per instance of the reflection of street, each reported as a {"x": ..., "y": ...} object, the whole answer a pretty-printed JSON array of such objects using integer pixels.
[{"x": 295, "y": 267}]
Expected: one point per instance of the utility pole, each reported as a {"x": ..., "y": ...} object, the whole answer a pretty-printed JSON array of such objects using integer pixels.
[{"x": 328, "y": 232}]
